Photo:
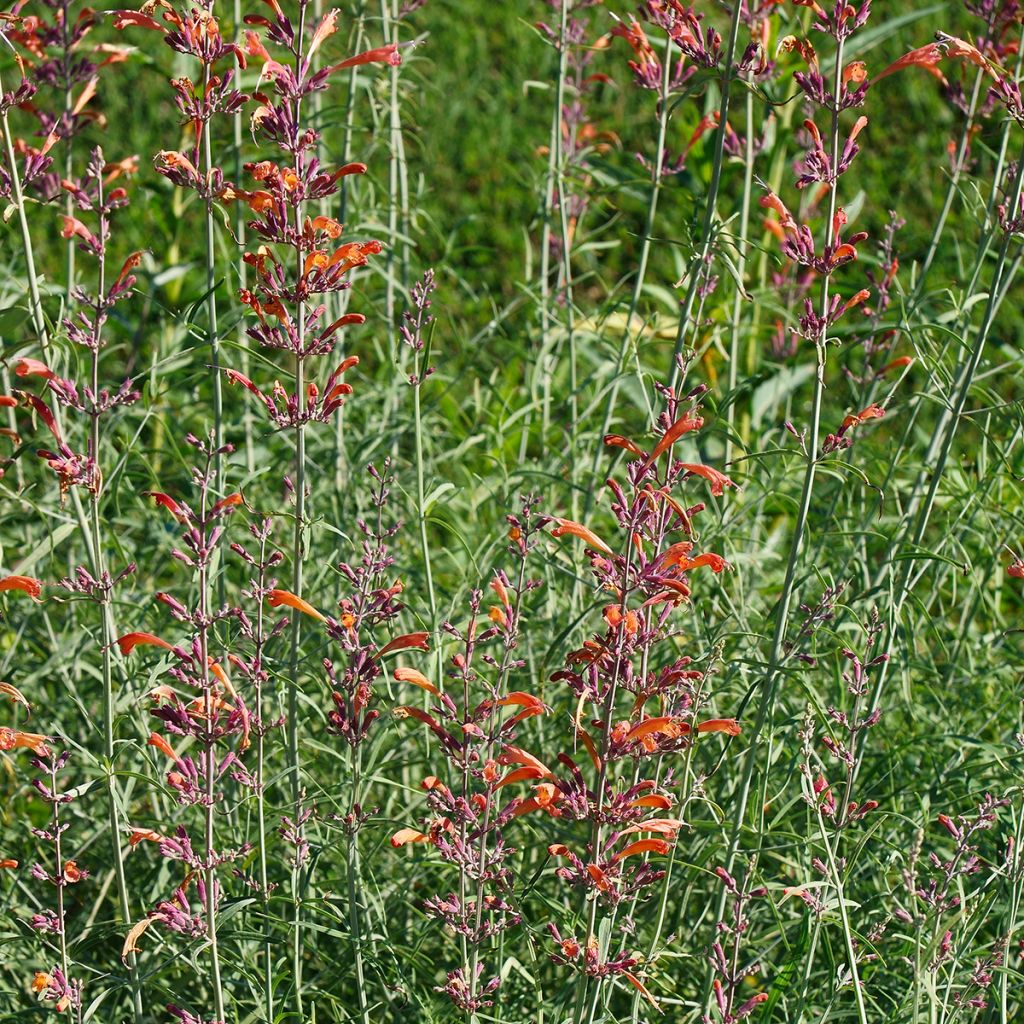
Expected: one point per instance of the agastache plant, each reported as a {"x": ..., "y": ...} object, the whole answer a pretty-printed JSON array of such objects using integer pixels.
[
  {"x": 196, "y": 33},
  {"x": 65, "y": 73},
  {"x": 57, "y": 984},
  {"x": 820, "y": 256},
  {"x": 298, "y": 257},
  {"x": 202, "y": 706},
  {"x": 253, "y": 667},
  {"x": 370, "y": 608},
  {"x": 636, "y": 700},
  {"x": 76, "y": 461},
  {"x": 474, "y": 722},
  {"x": 667, "y": 72}
]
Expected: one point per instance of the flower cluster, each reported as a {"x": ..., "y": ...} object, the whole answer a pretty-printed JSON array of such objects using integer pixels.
[
  {"x": 646, "y": 705},
  {"x": 86, "y": 329}
]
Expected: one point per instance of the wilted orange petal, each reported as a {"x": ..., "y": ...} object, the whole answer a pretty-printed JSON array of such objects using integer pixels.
[
  {"x": 16, "y": 696},
  {"x": 131, "y": 939},
  {"x": 641, "y": 988},
  {"x": 143, "y": 835}
]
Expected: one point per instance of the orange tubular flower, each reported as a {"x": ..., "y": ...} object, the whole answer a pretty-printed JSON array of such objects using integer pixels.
[
  {"x": 404, "y": 836},
  {"x": 130, "y": 641},
  {"x": 682, "y": 426},
  {"x": 618, "y": 441},
  {"x": 25, "y": 584},
  {"x": 143, "y": 835},
  {"x": 379, "y": 55},
  {"x": 928, "y": 57},
  {"x": 643, "y": 846},
  {"x": 404, "y": 643},
  {"x": 167, "y": 502},
  {"x": 8, "y": 865},
  {"x": 277, "y": 598},
  {"x": 156, "y": 740},
  {"x": 417, "y": 678},
  {"x": 567, "y": 526},
  {"x": 727, "y": 725},
  {"x": 12, "y": 739},
  {"x": 33, "y": 368},
  {"x": 664, "y": 726},
  {"x": 719, "y": 481},
  {"x": 872, "y": 412},
  {"x": 527, "y": 773}
]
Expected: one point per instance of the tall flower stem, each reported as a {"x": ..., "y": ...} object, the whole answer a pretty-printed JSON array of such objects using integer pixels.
[
  {"x": 543, "y": 367},
  {"x": 298, "y": 538},
  {"x": 107, "y": 626},
  {"x": 352, "y": 871},
  {"x": 742, "y": 244},
  {"x": 657, "y": 183},
  {"x": 696, "y": 271},
  {"x": 580, "y": 1014},
  {"x": 776, "y": 656},
  {"x": 504, "y": 668},
  {"x": 237, "y": 135},
  {"x": 565, "y": 241},
  {"x": 213, "y": 333},
  {"x": 942, "y": 439},
  {"x": 210, "y": 770}
]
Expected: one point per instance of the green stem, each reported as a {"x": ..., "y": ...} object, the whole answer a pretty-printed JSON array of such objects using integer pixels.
[
  {"x": 697, "y": 269},
  {"x": 776, "y": 655}
]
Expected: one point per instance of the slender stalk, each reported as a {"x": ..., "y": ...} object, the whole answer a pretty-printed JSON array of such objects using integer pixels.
[
  {"x": 776, "y": 656},
  {"x": 550, "y": 190},
  {"x": 844, "y": 917},
  {"x": 242, "y": 269},
  {"x": 742, "y": 244},
  {"x": 657, "y": 183},
  {"x": 565, "y": 241},
  {"x": 697, "y": 269},
  {"x": 298, "y": 548},
  {"x": 58, "y": 870},
  {"x": 213, "y": 334},
  {"x": 261, "y": 803},
  {"x": 210, "y": 769},
  {"x": 107, "y": 626},
  {"x": 353, "y": 875},
  {"x": 421, "y": 501}
]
